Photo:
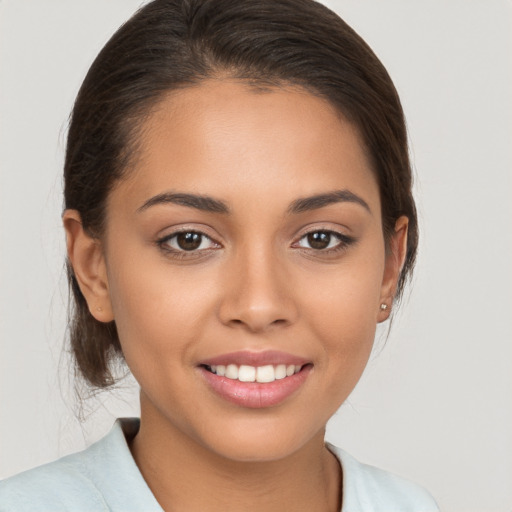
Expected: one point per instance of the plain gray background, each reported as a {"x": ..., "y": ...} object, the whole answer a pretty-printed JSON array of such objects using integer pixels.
[{"x": 435, "y": 404}]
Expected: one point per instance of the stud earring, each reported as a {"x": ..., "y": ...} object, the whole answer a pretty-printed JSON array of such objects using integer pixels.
[
  {"x": 99, "y": 309},
  {"x": 383, "y": 307}
]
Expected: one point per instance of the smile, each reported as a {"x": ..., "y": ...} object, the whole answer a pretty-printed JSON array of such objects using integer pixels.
[
  {"x": 255, "y": 379},
  {"x": 262, "y": 374}
]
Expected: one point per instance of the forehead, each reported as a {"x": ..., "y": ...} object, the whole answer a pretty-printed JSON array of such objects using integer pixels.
[{"x": 226, "y": 138}]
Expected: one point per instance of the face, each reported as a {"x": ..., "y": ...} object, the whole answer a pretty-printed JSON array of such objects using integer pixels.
[{"x": 245, "y": 265}]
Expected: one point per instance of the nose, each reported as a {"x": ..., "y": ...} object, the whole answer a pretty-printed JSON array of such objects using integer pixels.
[{"x": 258, "y": 293}]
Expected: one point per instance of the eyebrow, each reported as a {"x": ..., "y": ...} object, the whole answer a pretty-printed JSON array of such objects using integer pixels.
[
  {"x": 199, "y": 202},
  {"x": 320, "y": 200},
  {"x": 211, "y": 205}
]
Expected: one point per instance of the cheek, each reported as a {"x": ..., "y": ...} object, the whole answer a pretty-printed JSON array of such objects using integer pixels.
[
  {"x": 156, "y": 309},
  {"x": 342, "y": 313},
  {"x": 346, "y": 299}
]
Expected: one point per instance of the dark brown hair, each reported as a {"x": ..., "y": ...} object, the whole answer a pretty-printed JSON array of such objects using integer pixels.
[{"x": 170, "y": 44}]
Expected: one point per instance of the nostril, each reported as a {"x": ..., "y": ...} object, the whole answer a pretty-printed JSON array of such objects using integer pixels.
[
  {"x": 256, "y": 312},
  {"x": 252, "y": 324}
]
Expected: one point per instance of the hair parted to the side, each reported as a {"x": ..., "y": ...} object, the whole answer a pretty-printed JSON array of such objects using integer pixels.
[{"x": 171, "y": 44}]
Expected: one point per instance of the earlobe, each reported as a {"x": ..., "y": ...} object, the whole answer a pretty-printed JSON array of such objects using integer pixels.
[
  {"x": 86, "y": 257},
  {"x": 395, "y": 258}
]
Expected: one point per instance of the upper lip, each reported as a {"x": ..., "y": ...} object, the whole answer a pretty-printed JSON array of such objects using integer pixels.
[{"x": 251, "y": 358}]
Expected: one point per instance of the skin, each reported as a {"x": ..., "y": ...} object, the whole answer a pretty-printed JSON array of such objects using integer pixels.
[{"x": 255, "y": 284}]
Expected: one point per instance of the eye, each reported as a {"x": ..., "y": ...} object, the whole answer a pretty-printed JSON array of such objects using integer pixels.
[
  {"x": 322, "y": 240},
  {"x": 187, "y": 241}
]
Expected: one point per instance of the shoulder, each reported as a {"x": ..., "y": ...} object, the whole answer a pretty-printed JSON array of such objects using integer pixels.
[
  {"x": 369, "y": 489},
  {"x": 102, "y": 478},
  {"x": 57, "y": 486}
]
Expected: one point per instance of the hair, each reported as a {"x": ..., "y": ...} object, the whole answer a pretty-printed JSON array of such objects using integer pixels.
[{"x": 172, "y": 44}]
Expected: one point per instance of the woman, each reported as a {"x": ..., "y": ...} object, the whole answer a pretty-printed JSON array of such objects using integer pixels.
[{"x": 239, "y": 218}]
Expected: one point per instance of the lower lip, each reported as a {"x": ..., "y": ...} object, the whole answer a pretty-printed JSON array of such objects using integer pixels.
[{"x": 256, "y": 395}]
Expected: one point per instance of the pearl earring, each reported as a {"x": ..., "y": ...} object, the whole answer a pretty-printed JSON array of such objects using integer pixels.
[{"x": 383, "y": 307}]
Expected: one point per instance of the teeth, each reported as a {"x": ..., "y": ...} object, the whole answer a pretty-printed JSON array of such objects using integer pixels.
[
  {"x": 280, "y": 371},
  {"x": 265, "y": 374},
  {"x": 246, "y": 373},
  {"x": 231, "y": 371}
]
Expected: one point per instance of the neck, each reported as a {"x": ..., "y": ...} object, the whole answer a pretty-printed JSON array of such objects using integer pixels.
[{"x": 186, "y": 476}]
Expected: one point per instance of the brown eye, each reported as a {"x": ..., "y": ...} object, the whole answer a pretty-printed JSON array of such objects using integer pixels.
[
  {"x": 324, "y": 240},
  {"x": 189, "y": 241},
  {"x": 319, "y": 239}
]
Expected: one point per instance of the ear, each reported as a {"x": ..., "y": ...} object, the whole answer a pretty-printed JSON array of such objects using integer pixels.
[
  {"x": 85, "y": 254},
  {"x": 395, "y": 259}
]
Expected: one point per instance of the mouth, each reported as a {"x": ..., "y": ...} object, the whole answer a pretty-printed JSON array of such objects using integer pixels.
[
  {"x": 255, "y": 380},
  {"x": 262, "y": 374}
]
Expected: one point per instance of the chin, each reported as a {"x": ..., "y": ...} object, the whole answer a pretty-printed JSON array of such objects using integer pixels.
[{"x": 265, "y": 444}]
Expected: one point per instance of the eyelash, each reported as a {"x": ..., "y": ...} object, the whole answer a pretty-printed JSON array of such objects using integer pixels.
[
  {"x": 163, "y": 244},
  {"x": 344, "y": 242}
]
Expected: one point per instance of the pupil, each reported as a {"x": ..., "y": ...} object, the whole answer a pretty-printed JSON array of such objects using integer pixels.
[
  {"x": 319, "y": 239},
  {"x": 189, "y": 241}
]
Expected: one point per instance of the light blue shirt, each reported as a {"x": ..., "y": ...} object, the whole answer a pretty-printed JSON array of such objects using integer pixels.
[{"x": 104, "y": 477}]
